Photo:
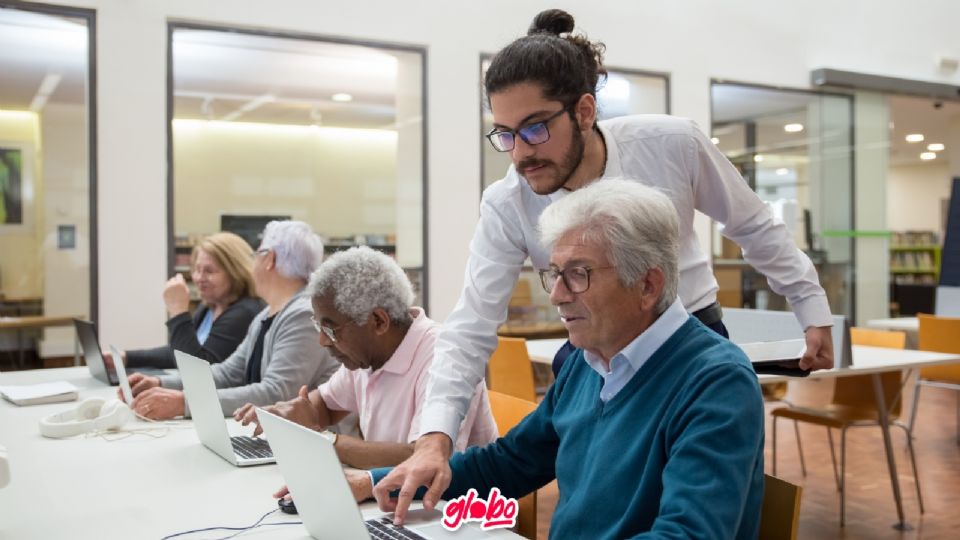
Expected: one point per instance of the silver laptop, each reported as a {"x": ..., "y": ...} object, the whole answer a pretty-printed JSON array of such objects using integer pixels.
[
  {"x": 201, "y": 394},
  {"x": 87, "y": 334},
  {"x": 122, "y": 376},
  {"x": 320, "y": 491}
]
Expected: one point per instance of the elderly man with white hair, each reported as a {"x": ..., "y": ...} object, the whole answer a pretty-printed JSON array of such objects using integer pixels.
[
  {"x": 654, "y": 427},
  {"x": 280, "y": 351},
  {"x": 364, "y": 314}
]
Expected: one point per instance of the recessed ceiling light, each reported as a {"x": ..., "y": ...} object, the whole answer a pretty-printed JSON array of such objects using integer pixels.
[
  {"x": 793, "y": 128},
  {"x": 782, "y": 171},
  {"x": 927, "y": 156},
  {"x": 935, "y": 147},
  {"x": 715, "y": 140},
  {"x": 915, "y": 137},
  {"x": 343, "y": 98},
  {"x": 758, "y": 158}
]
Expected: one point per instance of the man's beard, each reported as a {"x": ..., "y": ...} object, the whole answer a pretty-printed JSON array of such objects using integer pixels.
[{"x": 564, "y": 171}]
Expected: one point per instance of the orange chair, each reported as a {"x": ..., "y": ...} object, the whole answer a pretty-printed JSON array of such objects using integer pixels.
[
  {"x": 510, "y": 370},
  {"x": 853, "y": 405},
  {"x": 939, "y": 334},
  {"x": 508, "y": 411},
  {"x": 780, "y": 515}
]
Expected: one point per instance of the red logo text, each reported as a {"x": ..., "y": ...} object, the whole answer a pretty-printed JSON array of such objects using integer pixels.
[{"x": 495, "y": 512}]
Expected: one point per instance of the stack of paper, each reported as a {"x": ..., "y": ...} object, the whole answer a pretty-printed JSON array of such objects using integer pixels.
[{"x": 35, "y": 394}]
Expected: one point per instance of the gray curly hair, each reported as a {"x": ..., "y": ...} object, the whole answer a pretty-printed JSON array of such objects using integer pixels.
[
  {"x": 637, "y": 224},
  {"x": 362, "y": 280}
]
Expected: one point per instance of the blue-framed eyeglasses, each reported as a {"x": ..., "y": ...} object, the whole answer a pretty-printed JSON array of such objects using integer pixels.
[{"x": 504, "y": 140}]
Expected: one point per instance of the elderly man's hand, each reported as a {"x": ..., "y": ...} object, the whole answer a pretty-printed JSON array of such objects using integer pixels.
[
  {"x": 159, "y": 404},
  {"x": 298, "y": 410},
  {"x": 819, "y": 353},
  {"x": 141, "y": 383},
  {"x": 428, "y": 466}
]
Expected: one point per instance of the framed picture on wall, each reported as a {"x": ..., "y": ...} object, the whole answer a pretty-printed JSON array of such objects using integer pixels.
[{"x": 16, "y": 186}]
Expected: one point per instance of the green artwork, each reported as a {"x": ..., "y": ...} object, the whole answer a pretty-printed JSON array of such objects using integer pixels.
[{"x": 11, "y": 186}]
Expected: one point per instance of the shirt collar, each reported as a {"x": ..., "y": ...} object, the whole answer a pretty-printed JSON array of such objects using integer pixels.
[
  {"x": 638, "y": 351},
  {"x": 402, "y": 358}
]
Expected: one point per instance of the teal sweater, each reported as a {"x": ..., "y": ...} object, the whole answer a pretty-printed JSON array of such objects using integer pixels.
[{"x": 678, "y": 453}]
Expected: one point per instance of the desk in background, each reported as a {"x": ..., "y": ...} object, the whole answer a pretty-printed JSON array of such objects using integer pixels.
[
  {"x": 909, "y": 325},
  {"x": 37, "y": 321}
]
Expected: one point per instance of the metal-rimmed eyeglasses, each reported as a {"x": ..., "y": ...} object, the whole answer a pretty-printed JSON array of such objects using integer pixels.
[
  {"x": 576, "y": 278},
  {"x": 504, "y": 139},
  {"x": 328, "y": 331}
]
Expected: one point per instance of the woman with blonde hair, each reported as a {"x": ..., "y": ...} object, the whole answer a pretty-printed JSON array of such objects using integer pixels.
[{"x": 222, "y": 272}]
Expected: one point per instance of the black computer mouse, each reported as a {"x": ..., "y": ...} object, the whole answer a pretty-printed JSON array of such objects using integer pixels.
[{"x": 287, "y": 506}]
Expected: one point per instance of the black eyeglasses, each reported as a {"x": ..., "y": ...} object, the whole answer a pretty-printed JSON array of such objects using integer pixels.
[
  {"x": 576, "y": 278},
  {"x": 504, "y": 140}
]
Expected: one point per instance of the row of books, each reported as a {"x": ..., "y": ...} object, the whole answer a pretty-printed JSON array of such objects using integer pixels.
[
  {"x": 915, "y": 279},
  {"x": 912, "y": 260},
  {"x": 914, "y": 238}
]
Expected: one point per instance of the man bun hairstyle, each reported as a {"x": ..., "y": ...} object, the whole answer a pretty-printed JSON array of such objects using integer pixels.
[{"x": 564, "y": 64}]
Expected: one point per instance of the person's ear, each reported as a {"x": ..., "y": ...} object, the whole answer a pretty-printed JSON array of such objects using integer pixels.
[
  {"x": 379, "y": 321},
  {"x": 652, "y": 285},
  {"x": 585, "y": 110}
]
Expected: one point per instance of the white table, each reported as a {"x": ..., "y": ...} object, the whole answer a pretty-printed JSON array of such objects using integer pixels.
[
  {"x": 138, "y": 487},
  {"x": 866, "y": 361}
]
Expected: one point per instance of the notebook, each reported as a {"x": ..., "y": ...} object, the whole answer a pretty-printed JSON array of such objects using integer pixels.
[
  {"x": 315, "y": 478},
  {"x": 201, "y": 395},
  {"x": 776, "y": 357},
  {"x": 38, "y": 394}
]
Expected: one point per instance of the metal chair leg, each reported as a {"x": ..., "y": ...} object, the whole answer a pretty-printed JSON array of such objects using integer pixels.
[
  {"x": 774, "y": 422},
  {"x": 833, "y": 459},
  {"x": 913, "y": 463},
  {"x": 796, "y": 431},
  {"x": 843, "y": 475},
  {"x": 916, "y": 401}
]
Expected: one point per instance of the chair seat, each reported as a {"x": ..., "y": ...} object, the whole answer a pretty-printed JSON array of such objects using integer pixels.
[{"x": 832, "y": 415}]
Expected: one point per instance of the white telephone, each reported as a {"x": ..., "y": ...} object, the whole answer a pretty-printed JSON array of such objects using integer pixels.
[
  {"x": 91, "y": 414},
  {"x": 4, "y": 468}
]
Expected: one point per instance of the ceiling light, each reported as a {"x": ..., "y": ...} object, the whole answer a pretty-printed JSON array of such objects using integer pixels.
[
  {"x": 342, "y": 98},
  {"x": 782, "y": 171},
  {"x": 793, "y": 128},
  {"x": 757, "y": 158},
  {"x": 915, "y": 137},
  {"x": 935, "y": 147},
  {"x": 927, "y": 156},
  {"x": 715, "y": 140}
]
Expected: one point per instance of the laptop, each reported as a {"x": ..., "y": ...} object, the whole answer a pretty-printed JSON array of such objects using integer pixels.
[
  {"x": 87, "y": 334},
  {"x": 201, "y": 394},
  {"x": 315, "y": 478},
  {"x": 122, "y": 376}
]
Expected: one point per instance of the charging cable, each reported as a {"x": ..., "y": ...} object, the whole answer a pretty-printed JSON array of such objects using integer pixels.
[{"x": 240, "y": 530}]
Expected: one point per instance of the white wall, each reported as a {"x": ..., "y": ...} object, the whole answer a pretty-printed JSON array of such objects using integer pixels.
[
  {"x": 914, "y": 193},
  {"x": 693, "y": 40}
]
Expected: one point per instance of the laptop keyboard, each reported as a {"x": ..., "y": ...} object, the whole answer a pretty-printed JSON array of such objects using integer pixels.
[
  {"x": 384, "y": 529},
  {"x": 250, "y": 447}
]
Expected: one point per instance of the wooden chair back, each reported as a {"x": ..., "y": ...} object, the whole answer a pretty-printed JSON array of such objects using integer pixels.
[
  {"x": 508, "y": 411},
  {"x": 510, "y": 370}
]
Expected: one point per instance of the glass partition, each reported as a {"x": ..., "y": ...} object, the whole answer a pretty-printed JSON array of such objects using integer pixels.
[
  {"x": 277, "y": 126},
  {"x": 794, "y": 148},
  {"x": 47, "y": 227}
]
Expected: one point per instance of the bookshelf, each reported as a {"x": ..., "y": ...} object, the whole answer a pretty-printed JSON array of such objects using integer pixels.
[{"x": 914, "y": 271}]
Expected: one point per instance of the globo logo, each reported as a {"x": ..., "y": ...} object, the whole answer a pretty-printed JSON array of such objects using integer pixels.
[{"x": 494, "y": 512}]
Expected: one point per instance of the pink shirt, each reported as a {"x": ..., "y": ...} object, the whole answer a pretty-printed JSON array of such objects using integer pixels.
[{"x": 389, "y": 401}]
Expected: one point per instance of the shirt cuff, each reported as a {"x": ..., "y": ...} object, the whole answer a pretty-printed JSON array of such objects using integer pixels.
[
  {"x": 442, "y": 418},
  {"x": 813, "y": 311}
]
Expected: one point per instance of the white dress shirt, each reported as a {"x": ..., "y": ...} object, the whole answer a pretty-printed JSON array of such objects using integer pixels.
[{"x": 665, "y": 152}]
